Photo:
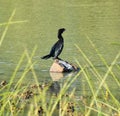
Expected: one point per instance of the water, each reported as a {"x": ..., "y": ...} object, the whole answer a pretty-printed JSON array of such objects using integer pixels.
[{"x": 98, "y": 20}]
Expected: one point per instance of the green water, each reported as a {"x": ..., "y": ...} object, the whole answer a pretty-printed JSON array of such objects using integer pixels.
[
  {"x": 35, "y": 24},
  {"x": 97, "y": 19}
]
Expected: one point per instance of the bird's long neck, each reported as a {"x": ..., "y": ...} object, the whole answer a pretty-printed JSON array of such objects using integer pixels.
[{"x": 60, "y": 36}]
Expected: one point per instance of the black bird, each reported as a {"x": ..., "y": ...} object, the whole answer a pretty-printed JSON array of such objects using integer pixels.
[{"x": 57, "y": 47}]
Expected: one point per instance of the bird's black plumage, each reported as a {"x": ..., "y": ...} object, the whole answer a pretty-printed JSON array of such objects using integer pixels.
[{"x": 57, "y": 47}]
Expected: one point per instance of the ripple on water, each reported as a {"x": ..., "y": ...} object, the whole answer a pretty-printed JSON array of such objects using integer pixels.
[
  {"x": 1, "y": 72},
  {"x": 44, "y": 70},
  {"x": 2, "y": 62}
]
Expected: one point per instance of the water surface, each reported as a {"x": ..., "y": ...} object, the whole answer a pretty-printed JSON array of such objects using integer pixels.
[{"x": 96, "y": 20}]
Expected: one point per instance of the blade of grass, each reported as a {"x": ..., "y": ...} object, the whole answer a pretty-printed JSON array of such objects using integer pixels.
[
  {"x": 16, "y": 69},
  {"x": 113, "y": 108},
  {"x": 103, "y": 60},
  {"x": 63, "y": 107},
  {"x": 13, "y": 22},
  {"x": 7, "y": 26},
  {"x": 100, "y": 113},
  {"x": 103, "y": 81},
  {"x": 91, "y": 64},
  {"x": 105, "y": 63},
  {"x": 27, "y": 68},
  {"x": 87, "y": 76},
  {"x": 31, "y": 64}
]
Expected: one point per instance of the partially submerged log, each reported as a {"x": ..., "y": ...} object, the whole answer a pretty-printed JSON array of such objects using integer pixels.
[{"x": 62, "y": 66}]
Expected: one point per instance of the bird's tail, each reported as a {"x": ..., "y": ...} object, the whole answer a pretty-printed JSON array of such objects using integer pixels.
[{"x": 46, "y": 56}]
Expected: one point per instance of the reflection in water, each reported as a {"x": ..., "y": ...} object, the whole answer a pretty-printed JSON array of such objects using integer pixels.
[
  {"x": 58, "y": 76},
  {"x": 57, "y": 84},
  {"x": 55, "y": 87}
]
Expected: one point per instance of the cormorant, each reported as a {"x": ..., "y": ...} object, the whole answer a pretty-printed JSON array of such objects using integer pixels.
[{"x": 57, "y": 47}]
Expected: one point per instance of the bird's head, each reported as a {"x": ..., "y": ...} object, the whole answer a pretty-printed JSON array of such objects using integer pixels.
[{"x": 61, "y": 30}]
